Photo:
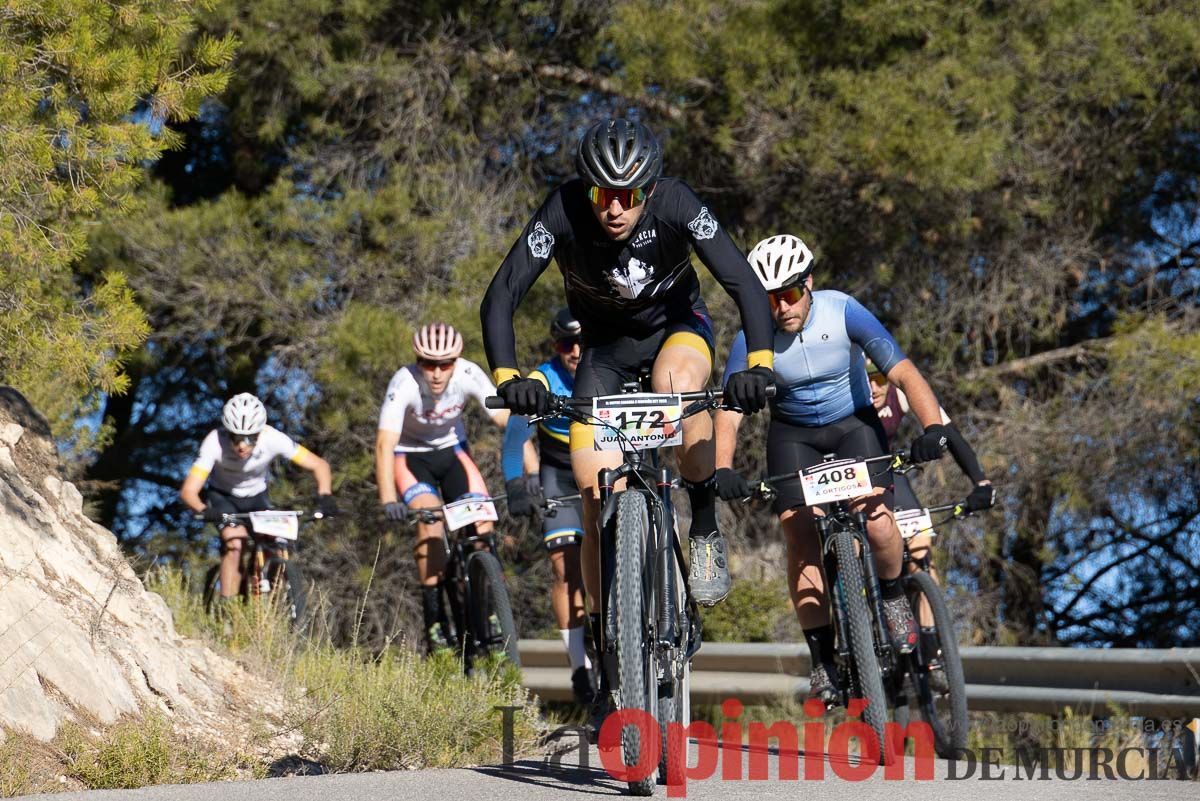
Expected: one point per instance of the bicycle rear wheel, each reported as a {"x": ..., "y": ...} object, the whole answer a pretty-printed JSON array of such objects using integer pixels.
[
  {"x": 862, "y": 639},
  {"x": 490, "y": 609},
  {"x": 635, "y": 671},
  {"x": 945, "y": 710}
]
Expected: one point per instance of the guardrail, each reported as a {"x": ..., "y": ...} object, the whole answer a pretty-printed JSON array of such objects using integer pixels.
[{"x": 1154, "y": 683}]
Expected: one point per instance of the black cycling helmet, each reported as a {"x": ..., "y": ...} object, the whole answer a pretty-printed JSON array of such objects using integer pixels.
[
  {"x": 619, "y": 154},
  {"x": 564, "y": 325}
]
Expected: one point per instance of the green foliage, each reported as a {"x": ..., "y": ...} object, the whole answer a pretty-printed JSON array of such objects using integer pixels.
[
  {"x": 754, "y": 612},
  {"x": 138, "y": 753},
  {"x": 72, "y": 73}
]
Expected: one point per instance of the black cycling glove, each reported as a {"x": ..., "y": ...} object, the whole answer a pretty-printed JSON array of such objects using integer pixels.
[
  {"x": 524, "y": 495},
  {"x": 982, "y": 497},
  {"x": 525, "y": 396},
  {"x": 930, "y": 445},
  {"x": 747, "y": 390},
  {"x": 212, "y": 514},
  {"x": 731, "y": 485},
  {"x": 327, "y": 506},
  {"x": 396, "y": 511}
]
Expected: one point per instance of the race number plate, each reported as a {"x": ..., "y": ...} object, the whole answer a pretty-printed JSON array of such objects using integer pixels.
[
  {"x": 645, "y": 421},
  {"x": 467, "y": 511},
  {"x": 284, "y": 525},
  {"x": 912, "y": 522},
  {"x": 835, "y": 481}
]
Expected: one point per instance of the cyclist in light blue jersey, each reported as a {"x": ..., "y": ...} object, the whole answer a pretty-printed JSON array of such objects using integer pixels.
[
  {"x": 823, "y": 405},
  {"x": 562, "y": 532}
]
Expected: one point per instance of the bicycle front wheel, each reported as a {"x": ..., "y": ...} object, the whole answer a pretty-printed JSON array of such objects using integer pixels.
[
  {"x": 634, "y": 653},
  {"x": 490, "y": 609},
  {"x": 943, "y": 704},
  {"x": 862, "y": 639},
  {"x": 287, "y": 582}
]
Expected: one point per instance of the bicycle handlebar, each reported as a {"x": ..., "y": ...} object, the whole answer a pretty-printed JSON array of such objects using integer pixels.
[
  {"x": 302, "y": 514},
  {"x": 560, "y": 403}
]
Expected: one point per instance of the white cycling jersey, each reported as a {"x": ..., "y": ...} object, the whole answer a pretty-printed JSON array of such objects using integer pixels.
[
  {"x": 243, "y": 477},
  {"x": 426, "y": 423}
]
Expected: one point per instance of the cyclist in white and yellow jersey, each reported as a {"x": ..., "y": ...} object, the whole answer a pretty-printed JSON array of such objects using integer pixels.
[
  {"x": 421, "y": 454},
  {"x": 234, "y": 461}
]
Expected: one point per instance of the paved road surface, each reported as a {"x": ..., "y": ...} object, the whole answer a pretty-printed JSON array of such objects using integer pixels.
[{"x": 536, "y": 780}]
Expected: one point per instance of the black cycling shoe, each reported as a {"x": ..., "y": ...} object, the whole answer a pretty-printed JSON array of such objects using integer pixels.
[
  {"x": 602, "y": 707},
  {"x": 581, "y": 686}
]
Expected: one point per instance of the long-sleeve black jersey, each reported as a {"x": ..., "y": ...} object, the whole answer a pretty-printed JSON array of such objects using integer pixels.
[{"x": 631, "y": 287}]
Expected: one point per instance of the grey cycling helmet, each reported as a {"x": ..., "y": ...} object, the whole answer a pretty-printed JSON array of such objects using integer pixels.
[
  {"x": 564, "y": 325},
  {"x": 619, "y": 154}
]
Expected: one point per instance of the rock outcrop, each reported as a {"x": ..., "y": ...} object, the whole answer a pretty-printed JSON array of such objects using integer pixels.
[{"x": 79, "y": 635}]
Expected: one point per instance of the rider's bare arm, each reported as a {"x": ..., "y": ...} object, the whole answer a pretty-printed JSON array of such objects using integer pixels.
[
  {"x": 924, "y": 403},
  {"x": 189, "y": 493},
  {"x": 726, "y": 423},
  {"x": 385, "y": 464},
  {"x": 318, "y": 467}
]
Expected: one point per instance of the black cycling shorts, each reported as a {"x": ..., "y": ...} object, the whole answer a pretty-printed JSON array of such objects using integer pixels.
[
  {"x": 231, "y": 504},
  {"x": 791, "y": 448},
  {"x": 566, "y": 527},
  {"x": 450, "y": 470},
  {"x": 607, "y": 364}
]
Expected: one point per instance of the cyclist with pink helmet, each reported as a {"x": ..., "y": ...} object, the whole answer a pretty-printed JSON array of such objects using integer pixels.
[{"x": 421, "y": 454}]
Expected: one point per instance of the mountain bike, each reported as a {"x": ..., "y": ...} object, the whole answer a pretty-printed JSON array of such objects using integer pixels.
[
  {"x": 267, "y": 567},
  {"x": 481, "y": 619},
  {"x": 865, "y": 658},
  {"x": 932, "y": 684},
  {"x": 652, "y": 623}
]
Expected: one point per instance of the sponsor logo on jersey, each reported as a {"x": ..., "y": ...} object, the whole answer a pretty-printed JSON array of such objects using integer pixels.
[
  {"x": 541, "y": 241},
  {"x": 630, "y": 280},
  {"x": 704, "y": 226},
  {"x": 644, "y": 238}
]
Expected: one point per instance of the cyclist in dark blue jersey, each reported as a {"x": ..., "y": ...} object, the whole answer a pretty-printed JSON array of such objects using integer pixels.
[
  {"x": 562, "y": 532},
  {"x": 823, "y": 405}
]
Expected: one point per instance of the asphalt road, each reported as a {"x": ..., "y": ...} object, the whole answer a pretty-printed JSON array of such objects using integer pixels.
[{"x": 535, "y": 780}]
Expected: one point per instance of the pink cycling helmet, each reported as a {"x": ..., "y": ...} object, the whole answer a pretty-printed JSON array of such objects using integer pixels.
[{"x": 437, "y": 341}]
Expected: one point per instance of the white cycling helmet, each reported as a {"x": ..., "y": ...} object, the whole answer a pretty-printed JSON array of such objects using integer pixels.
[
  {"x": 781, "y": 261},
  {"x": 244, "y": 414},
  {"x": 437, "y": 341}
]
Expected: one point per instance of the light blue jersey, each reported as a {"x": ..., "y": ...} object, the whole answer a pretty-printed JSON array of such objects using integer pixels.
[{"x": 819, "y": 370}]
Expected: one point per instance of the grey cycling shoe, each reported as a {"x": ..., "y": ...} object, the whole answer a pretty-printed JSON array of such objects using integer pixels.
[
  {"x": 901, "y": 624},
  {"x": 708, "y": 576},
  {"x": 821, "y": 685}
]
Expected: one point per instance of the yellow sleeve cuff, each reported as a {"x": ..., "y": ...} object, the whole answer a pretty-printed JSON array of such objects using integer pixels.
[
  {"x": 198, "y": 472},
  {"x": 300, "y": 453},
  {"x": 502, "y": 374},
  {"x": 760, "y": 358},
  {"x": 538, "y": 375}
]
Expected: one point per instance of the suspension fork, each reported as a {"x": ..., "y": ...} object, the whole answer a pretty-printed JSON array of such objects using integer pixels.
[
  {"x": 664, "y": 559},
  {"x": 834, "y": 589},
  {"x": 871, "y": 576}
]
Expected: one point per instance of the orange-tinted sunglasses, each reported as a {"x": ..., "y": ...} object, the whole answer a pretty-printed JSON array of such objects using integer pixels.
[
  {"x": 791, "y": 296},
  {"x": 602, "y": 196}
]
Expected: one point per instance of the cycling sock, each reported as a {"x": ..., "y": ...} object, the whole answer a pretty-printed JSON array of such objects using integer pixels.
[
  {"x": 704, "y": 506},
  {"x": 431, "y": 605},
  {"x": 573, "y": 640},
  {"x": 596, "y": 624},
  {"x": 820, "y": 643},
  {"x": 892, "y": 588}
]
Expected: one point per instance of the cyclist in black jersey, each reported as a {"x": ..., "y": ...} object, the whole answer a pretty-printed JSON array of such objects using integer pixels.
[{"x": 622, "y": 236}]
